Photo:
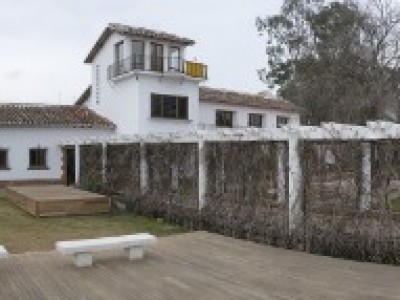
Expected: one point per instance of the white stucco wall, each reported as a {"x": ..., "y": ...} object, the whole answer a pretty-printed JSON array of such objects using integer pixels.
[
  {"x": 241, "y": 115},
  {"x": 126, "y": 101},
  {"x": 168, "y": 86},
  {"x": 117, "y": 101},
  {"x": 18, "y": 141}
]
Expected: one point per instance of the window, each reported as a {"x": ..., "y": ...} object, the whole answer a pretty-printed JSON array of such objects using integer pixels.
[
  {"x": 175, "y": 59},
  {"x": 119, "y": 51},
  {"x": 256, "y": 120},
  {"x": 168, "y": 106},
  {"x": 37, "y": 158},
  {"x": 118, "y": 57},
  {"x": 157, "y": 60},
  {"x": 224, "y": 118},
  {"x": 281, "y": 121},
  {"x": 137, "y": 55},
  {"x": 4, "y": 159}
]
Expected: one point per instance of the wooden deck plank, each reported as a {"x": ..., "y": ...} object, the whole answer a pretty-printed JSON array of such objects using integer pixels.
[
  {"x": 57, "y": 200},
  {"x": 197, "y": 266}
]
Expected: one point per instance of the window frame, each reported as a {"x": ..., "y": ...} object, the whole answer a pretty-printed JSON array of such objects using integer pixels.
[
  {"x": 225, "y": 113},
  {"x": 251, "y": 119},
  {"x": 118, "y": 51},
  {"x": 156, "y": 61},
  {"x": 163, "y": 104},
  {"x": 7, "y": 162},
  {"x": 38, "y": 164},
  {"x": 175, "y": 66},
  {"x": 279, "y": 122},
  {"x": 119, "y": 58},
  {"x": 138, "y": 60}
]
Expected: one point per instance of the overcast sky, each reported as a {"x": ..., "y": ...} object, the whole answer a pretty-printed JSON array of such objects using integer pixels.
[{"x": 44, "y": 42}]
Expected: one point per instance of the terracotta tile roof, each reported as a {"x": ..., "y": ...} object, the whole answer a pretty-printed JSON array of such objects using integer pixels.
[
  {"x": 42, "y": 115},
  {"x": 221, "y": 96},
  {"x": 139, "y": 32}
]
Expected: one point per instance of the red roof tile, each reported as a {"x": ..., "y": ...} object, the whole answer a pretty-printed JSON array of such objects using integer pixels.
[
  {"x": 222, "y": 96},
  {"x": 41, "y": 115}
]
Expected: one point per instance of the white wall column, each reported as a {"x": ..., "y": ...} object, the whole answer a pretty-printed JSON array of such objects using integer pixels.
[
  {"x": 166, "y": 57},
  {"x": 281, "y": 172},
  {"x": 77, "y": 164},
  {"x": 104, "y": 163},
  {"x": 295, "y": 185},
  {"x": 174, "y": 176},
  {"x": 366, "y": 176},
  {"x": 202, "y": 169},
  {"x": 127, "y": 48},
  {"x": 144, "y": 169},
  {"x": 147, "y": 55}
]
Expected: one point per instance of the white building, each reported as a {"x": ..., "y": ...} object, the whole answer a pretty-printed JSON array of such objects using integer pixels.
[
  {"x": 30, "y": 140},
  {"x": 141, "y": 83}
]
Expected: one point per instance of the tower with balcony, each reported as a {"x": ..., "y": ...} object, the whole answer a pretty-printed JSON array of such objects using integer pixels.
[{"x": 142, "y": 81}]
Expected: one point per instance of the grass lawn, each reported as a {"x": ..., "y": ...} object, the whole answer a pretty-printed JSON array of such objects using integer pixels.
[{"x": 21, "y": 232}]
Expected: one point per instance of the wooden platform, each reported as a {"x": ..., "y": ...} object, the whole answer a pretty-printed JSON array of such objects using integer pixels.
[
  {"x": 198, "y": 266},
  {"x": 57, "y": 200}
]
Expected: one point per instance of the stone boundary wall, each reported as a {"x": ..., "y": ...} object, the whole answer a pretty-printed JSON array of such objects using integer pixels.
[{"x": 332, "y": 190}]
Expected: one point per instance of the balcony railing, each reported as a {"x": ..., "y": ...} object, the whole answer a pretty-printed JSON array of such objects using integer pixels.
[{"x": 138, "y": 63}]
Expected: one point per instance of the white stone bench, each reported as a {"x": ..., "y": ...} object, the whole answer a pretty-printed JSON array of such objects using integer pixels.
[
  {"x": 82, "y": 249},
  {"x": 3, "y": 252}
]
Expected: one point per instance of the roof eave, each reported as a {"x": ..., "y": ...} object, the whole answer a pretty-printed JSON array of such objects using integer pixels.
[
  {"x": 107, "y": 32},
  {"x": 98, "y": 45},
  {"x": 291, "y": 110},
  {"x": 58, "y": 126}
]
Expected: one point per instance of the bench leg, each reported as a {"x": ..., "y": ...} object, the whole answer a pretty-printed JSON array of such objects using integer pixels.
[
  {"x": 83, "y": 259},
  {"x": 134, "y": 253}
]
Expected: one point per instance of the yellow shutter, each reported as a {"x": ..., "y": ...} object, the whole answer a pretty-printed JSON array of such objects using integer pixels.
[{"x": 195, "y": 69}]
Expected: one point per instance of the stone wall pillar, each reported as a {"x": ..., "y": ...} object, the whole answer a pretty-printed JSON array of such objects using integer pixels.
[
  {"x": 144, "y": 169},
  {"x": 296, "y": 213},
  {"x": 77, "y": 164},
  {"x": 202, "y": 169},
  {"x": 281, "y": 172},
  {"x": 366, "y": 176},
  {"x": 104, "y": 163}
]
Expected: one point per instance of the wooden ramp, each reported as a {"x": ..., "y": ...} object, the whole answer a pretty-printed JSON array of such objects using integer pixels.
[{"x": 57, "y": 200}]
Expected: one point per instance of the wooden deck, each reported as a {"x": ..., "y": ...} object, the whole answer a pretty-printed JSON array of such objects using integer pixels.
[
  {"x": 57, "y": 200},
  {"x": 198, "y": 266}
]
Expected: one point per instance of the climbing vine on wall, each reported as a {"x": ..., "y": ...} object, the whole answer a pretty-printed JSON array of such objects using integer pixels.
[
  {"x": 335, "y": 223},
  {"x": 244, "y": 197},
  {"x": 91, "y": 167},
  {"x": 123, "y": 173},
  {"x": 242, "y": 191},
  {"x": 172, "y": 191}
]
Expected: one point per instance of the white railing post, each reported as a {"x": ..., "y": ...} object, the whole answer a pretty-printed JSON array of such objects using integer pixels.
[
  {"x": 295, "y": 185},
  {"x": 144, "y": 169},
  {"x": 104, "y": 163},
  {"x": 366, "y": 176},
  {"x": 281, "y": 172},
  {"x": 77, "y": 164},
  {"x": 202, "y": 173}
]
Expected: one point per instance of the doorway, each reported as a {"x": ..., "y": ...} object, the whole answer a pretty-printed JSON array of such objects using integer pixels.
[{"x": 69, "y": 153}]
